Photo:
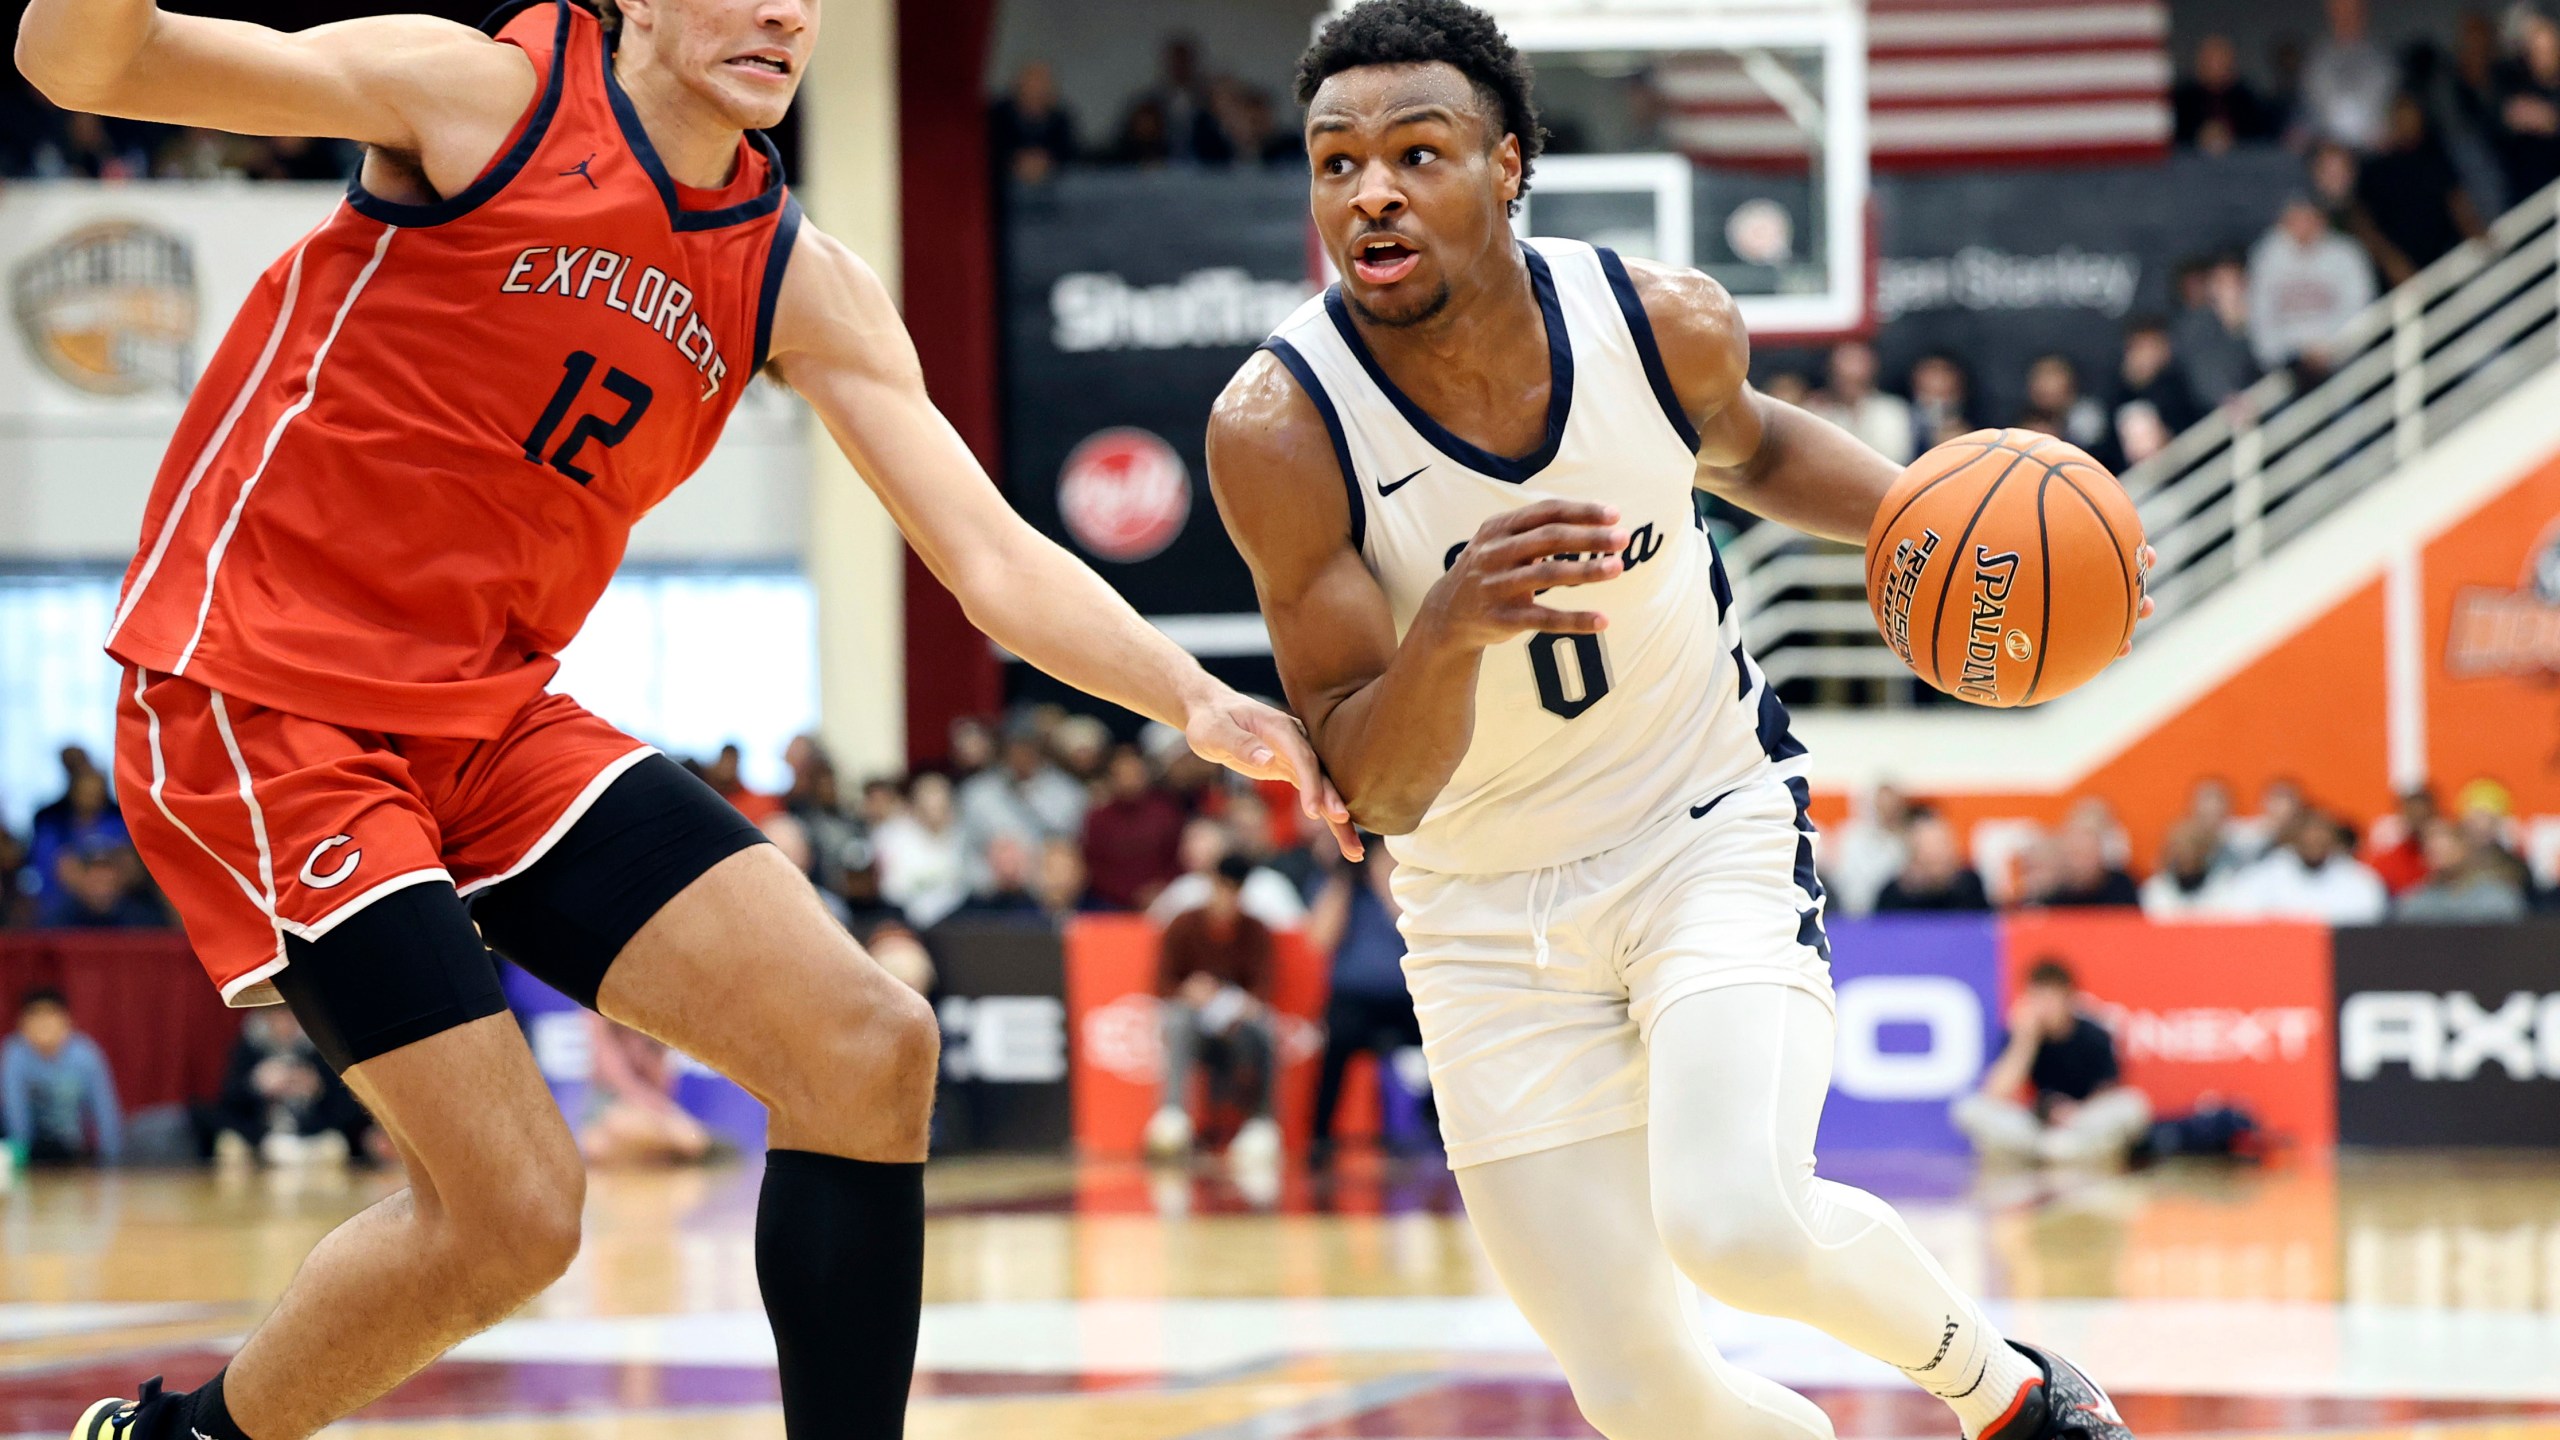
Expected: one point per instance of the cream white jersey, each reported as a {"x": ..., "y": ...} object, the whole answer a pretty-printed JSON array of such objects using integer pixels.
[{"x": 1581, "y": 741}]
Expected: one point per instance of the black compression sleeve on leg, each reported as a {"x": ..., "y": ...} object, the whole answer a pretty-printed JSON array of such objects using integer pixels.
[{"x": 840, "y": 1257}]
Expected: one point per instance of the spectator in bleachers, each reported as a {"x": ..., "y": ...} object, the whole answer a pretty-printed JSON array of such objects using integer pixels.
[
  {"x": 1143, "y": 140},
  {"x": 1060, "y": 884},
  {"x": 723, "y": 775},
  {"x": 2209, "y": 810},
  {"x": 2306, "y": 282},
  {"x": 1789, "y": 386},
  {"x": 2186, "y": 883},
  {"x": 2396, "y": 846},
  {"x": 1369, "y": 1010},
  {"x": 1025, "y": 796},
  {"x": 1183, "y": 99},
  {"x": 98, "y": 885},
  {"x": 2466, "y": 883},
  {"x": 2055, "y": 406},
  {"x": 2313, "y": 875},
  {"x": 1849, "y": 399},
  {"x": 1935, "y": 875},
  {"x": 924, "y": 859},
  {"x": 1005, "y": 887},
  {"x": 1941, "y": 400},
  {"x": 1133, "y": 837},
  {"x": 1031, "y": 130},
  {"x": 2254, "y": 837},
  {"x": 1207, "y": 846},
  {"x": 836, "y": 839},
  {"x": 57, "y": 1095},
  {"x": 1268, "y": 835},
  {"x": 2152, "y": 400},
  {"x": 280, "y": 1103},
  {"x": 1252, "y": 130},
  {"x": 83, "y": 822},
  {"x": 2412, "y": 197},
  {"x": 2085, "y": 876},
  {"x": 1213, "y": 988},
  {"x": 2463, "y": 100},
  {"x": 1082, "y": 747},
  {"x": 1862, "y": 855},
  {"x": 92, "y": 147},
  {"x": 2528, "y": 115},
  {"x": 2055, "y": 1093},
  {"x": 2347, "y": 82},
  {"x": 2211, "y": 334},
  {"x": 973, "y": 747},
  {"x": 632, "y": 1115},
  {"x": 2215, "y": 108},
  {"x": 2486, "y": 812}
]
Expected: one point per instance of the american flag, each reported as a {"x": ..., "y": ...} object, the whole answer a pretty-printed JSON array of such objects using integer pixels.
[{"x": 1960, "y": 82}]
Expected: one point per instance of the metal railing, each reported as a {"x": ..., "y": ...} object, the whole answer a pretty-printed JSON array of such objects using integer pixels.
[{"x": 2229, "y": 491}]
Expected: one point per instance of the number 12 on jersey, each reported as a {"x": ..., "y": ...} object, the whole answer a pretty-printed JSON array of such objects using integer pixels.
[
  {"x": 1568, "y": 684},
  {"x": 579, "y": 365}
]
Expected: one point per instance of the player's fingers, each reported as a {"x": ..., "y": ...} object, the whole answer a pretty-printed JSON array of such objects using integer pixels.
[
  {"x": 1540, "y": 617},
  {"x": 1549, "y": 540},
  {"x": 1550, "y": 512},
  {"x": 1296, "y": 761},
  {"x": 1346, "y": 837},
  {"x": 1547, "y": 574}
]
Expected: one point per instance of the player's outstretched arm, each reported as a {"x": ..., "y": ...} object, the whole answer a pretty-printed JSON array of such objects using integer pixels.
[
  {"x": 409, "y": 83},
  {"x": 839, "y": 341},
  {"x": 1391, "y": 720},
  {"x": 1764, "y": 455}
]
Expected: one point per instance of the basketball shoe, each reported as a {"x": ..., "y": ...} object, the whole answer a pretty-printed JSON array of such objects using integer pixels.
[
  {"x": 2067, "y": 1406},
  {"x": 116, "y": 1418}
]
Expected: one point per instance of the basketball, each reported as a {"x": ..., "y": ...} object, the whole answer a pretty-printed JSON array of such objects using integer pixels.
[{"x": 2002, "y": 567}]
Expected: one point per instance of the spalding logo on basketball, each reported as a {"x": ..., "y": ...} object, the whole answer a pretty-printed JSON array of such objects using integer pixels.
[{"x": 1124, "y": 494}]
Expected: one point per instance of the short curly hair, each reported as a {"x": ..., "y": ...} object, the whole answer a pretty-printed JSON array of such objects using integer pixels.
[{"x": 1423, "y": 32}]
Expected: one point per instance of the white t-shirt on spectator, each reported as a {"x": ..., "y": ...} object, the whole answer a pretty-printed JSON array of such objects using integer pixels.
[
  {"x": 2280, "y": 887},
  {"x": 1883, "y": 421},
  {"x": 2165, "y": 899},
  {"x": 1048, "y": 806},
  {"x": 1268, "y": 897},
  {"x": 2300, "y": 297},
  {"x": 1861, "y": 859},
  {"x": 922, "y": 873}
]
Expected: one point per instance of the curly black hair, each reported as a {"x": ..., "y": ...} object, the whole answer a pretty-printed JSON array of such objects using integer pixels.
[{"x": 1421, "y": 32}]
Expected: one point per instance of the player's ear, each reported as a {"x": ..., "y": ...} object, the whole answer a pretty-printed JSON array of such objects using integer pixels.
[{"x": 1506, "y": 164}]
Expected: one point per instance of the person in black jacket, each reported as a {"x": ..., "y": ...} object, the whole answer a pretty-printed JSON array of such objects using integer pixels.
[{"x": 1935, "y": 877}]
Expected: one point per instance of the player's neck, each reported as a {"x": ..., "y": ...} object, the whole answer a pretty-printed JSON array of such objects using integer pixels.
[{"x": 697, "y": 145}]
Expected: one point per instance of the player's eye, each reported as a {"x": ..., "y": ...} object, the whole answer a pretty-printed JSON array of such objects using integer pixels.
[
  {"x": 1337, "y": 165},
  {"x": 1421, "y": 155}
]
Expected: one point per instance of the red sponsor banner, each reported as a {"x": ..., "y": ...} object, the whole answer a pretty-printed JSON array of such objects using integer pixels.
[
  {"x": 1117, "y": 1065},
  {"x": 2238, "y": 1013}
]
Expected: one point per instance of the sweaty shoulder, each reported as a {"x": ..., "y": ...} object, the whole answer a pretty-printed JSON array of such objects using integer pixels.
[
  {"x": 1699, "y": 331},
  {"x": 1273, "y": 468}
]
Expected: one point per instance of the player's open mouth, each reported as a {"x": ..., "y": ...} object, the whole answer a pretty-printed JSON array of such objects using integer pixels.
[
  {"x": 763, "y": 62},
  {"x": 1383, "y": 261}
]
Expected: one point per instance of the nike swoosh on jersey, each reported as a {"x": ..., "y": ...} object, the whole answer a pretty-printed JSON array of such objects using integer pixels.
[
  {"x": 1699, "y": 812},
  {"x": 1385, "y": 489}
]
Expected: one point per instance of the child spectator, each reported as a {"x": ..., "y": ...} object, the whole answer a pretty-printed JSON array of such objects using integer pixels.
[
  {"x": 57, "y": 1096},
  {"x": 2056, "y": 1093}
]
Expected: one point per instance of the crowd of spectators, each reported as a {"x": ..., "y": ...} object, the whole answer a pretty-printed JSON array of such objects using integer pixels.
[
  {"x": 2425, "y": 861},
  {"x": 39, "y": 141},
  {"x": 1186, "y": 116},
  {"x": 75, "y": 868}
]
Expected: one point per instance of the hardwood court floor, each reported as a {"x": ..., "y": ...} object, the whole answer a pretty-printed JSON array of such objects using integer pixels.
[{"x": 2374, "y": 1296}]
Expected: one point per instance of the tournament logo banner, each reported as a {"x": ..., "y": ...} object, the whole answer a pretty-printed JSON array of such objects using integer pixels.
[{"x": 2449, "y": 1035}]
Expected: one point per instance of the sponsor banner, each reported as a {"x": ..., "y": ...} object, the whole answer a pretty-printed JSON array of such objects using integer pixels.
[
  {"x": 1003, "y": 1006},
  {"x": 1118, "y": 1057},
  {"x": 1916, "y": 998},
  {"x": 2202, "y": 1013},
  {"x": 562, "y": 1035},
  {"x": 2491, "y": 588},
  {"x": 2449, "y": 1035}
]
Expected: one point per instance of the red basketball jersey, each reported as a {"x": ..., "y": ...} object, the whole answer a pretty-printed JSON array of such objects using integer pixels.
[{"x": 415, "y": 461}]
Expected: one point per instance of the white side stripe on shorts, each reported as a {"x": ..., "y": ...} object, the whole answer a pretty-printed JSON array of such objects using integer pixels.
[
  {"x": 310, "y": 392},
  {"x": 257, "y": 817},
  {"x": 160, "y": 782}
]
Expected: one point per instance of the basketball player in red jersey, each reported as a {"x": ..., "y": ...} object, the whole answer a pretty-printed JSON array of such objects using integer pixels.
[{"x": 408, "y": 473}]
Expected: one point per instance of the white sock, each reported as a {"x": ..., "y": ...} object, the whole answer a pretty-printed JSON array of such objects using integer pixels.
[{"x": 1982, "y": 1386}]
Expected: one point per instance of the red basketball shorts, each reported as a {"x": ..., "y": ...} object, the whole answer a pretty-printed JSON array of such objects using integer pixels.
[{"x": 259, "y": 824}]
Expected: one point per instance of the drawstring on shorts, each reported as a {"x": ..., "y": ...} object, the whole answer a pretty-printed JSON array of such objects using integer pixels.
[{"x": 1542, "y": 914}]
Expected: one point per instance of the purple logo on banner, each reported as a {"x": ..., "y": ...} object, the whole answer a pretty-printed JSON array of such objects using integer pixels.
[{"x": 1916, "y": 997}]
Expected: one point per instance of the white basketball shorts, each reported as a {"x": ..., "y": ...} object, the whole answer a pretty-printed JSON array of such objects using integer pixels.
[{"x": 1538, "y": 989}]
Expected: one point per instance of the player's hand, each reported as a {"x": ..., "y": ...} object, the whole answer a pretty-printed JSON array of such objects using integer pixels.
[
  {"x": 2145, "y": 558},
  {"x": 1254, "y": 740},
  {"x": 1490, "y": 594}
]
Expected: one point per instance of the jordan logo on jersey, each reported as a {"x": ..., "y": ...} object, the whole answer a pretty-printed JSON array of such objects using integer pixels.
[{"x": 656, "y": 299}]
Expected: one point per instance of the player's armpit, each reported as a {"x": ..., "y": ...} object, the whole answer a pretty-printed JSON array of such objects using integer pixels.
[{"x": 411, "y": 83}]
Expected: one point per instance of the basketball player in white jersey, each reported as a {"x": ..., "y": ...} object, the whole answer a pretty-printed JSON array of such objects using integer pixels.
[{"x": 1613, "y": 924}]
